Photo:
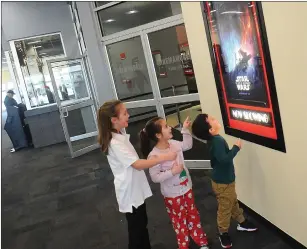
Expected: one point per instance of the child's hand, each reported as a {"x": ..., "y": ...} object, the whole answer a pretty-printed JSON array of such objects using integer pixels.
[
  {"x": 177, "y": 168},
  {"x": 187, "y": 123},
  {"x": 170, "y": 156},
  {"x": 239, "y": 143}
]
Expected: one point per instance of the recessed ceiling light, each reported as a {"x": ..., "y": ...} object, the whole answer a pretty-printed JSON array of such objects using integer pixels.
[
  {"x": 132, "y": 12},
  {"x": 33, "y": 42},
  {"x": 109, "y": 20},
  {"x": 212, "y": 11}
]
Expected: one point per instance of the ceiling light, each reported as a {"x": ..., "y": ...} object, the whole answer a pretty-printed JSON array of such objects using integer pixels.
[
  {"x": 251, "y": 6},
  {"x": 42, "y": 53},
  {"x": 232, "y": 12},
  {"x": 132, "y": 12},
  {"x": 33, "y": 42},
  {"x": 212, "y": 11},
  {"x": 37, "y": 46},
  {"x": 109, "y": 20}
]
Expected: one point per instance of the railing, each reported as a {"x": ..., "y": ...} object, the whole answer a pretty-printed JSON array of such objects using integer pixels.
[
  {"x": 167, "y": 109},
  {"x": 144, "y": 94}
]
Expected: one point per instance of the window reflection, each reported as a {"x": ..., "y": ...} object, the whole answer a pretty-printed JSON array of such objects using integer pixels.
[
  {"x": 172, "y": 60},
  {"x": 32, "y": 55},
  {"x": 70, "y": 80},
  {"x": 129, "y": 70}
]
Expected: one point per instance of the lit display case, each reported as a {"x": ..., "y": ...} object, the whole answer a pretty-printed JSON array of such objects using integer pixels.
[{"x": 243, "y": 72}]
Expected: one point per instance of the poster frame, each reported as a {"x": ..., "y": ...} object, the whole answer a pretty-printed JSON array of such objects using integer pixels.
[{"x": 278, "y": 143}]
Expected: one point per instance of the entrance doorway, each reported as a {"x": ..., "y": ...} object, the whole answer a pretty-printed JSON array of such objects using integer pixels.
[
  {"x": 71, "y": 86},
  {"x": 152, "y": 72}
]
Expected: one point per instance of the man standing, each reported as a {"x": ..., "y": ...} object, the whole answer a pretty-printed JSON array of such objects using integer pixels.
[{"x": 9, "y": 99}]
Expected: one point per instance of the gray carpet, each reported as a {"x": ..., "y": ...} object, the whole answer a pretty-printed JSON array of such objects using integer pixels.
[{"x": 52, "y": 201}]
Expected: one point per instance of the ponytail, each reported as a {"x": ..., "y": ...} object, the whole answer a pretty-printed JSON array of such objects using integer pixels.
[
  {"x": 105, "y": 128},
  {"x": 145, "y": 143},
  {"x": 148, "y": 136}
]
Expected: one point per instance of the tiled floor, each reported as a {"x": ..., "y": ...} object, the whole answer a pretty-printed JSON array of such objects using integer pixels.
[{"x": 52, "y": 201}]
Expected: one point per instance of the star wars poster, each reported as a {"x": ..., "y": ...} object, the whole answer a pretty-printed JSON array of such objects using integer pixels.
[
  {"x": 243, "y": 72},
  {"x": 234, "y": 26}
]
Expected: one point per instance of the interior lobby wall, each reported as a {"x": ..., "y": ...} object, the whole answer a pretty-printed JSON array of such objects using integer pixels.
[
  {"x": 270, "y": 182},
  {"x": 26, "y": 19}
]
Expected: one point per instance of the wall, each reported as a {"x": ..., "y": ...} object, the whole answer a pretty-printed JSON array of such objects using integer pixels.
[
  {"x": 270, "y": 182},
  {"x": 99, "y": 67},
  {"x": 26, "y": 19}
]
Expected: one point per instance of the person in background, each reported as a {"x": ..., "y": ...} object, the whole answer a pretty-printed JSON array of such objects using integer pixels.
[
  {"x": 9, "y": 99},
  {"x": 64, "y": 92},
  {"x": 223, "y": 177},
  {"x": 50, "y": 95}
]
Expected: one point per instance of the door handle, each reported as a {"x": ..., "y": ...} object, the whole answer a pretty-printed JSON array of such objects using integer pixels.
[{"x": 65, "y": 114}]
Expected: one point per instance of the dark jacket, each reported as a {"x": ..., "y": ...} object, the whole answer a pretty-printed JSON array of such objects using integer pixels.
[{"x": 9, "y": 102}]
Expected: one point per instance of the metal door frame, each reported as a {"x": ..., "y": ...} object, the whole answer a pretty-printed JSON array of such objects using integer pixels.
[
  {"x": 77, "y": 104},
  {"x": 143, "y": 32}
]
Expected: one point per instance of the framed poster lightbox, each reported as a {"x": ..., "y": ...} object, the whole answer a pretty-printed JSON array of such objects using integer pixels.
[{"x": 243, "y": 72}]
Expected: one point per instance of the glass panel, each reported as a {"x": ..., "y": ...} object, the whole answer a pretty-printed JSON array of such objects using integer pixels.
[
  {"x": 172, "y": 59},
  {"x": 132, "y": 14},
  {"x": 32, "y": 55},
  {"x": 70, "y": 80},
  {"x": 137, "y": 121},
  {"x": 100, "y": 3},
  {"x": 129, "y": 70},
  {"x": 83, "y": 143},
  {"x": 175, "y": 116},
  {"x": 81, "y": 127}
]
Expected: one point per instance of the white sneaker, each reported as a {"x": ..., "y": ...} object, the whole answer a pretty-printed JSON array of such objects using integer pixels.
[
  {"x": 204, "y": 247},
  {"x": 12, "y": 150}
]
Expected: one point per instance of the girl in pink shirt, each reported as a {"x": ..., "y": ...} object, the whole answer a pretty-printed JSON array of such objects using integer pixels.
[{"x": 175, "y": 180}]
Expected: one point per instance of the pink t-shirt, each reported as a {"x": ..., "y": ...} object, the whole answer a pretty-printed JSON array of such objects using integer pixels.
[{"x": 173, "y": 185}]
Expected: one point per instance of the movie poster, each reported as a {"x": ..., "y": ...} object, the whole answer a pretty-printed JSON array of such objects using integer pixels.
[
  {"x": 244, "y": 77},
  {"x": 243, "y": 72}
]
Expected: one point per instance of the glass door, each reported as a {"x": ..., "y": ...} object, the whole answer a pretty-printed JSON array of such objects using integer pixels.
[
  {"x": 176, "y": 83},
  {"x": 156, "y": 78},
  {"x": 74, "y": 98}
]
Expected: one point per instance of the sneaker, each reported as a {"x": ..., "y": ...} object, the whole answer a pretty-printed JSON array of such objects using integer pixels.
[
  {"x": 12, "y": 150},
  {"x": 246, "y": 226},
  {"x": 225, "y": 240}
]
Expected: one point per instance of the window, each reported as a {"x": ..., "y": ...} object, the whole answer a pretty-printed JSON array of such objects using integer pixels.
[
  {"x": 172, "y": 60},
  {"x": 128, "y": 15},
  {"x": 100, "y": 3},
  {"x": 32, "y": 55}
]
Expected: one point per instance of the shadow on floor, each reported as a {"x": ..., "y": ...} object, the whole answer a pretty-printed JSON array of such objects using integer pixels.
[{"x": 52, "y": 201}]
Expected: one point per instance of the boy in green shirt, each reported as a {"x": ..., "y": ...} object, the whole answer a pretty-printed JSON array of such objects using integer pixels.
[{"x": 223, "y": 177}]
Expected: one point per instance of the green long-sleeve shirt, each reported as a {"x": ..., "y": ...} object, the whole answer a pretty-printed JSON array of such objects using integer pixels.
[{"x": 222, "y": 160}]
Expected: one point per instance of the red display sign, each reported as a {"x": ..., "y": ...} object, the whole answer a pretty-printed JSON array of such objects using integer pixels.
[{"x": 243, "y": 72}]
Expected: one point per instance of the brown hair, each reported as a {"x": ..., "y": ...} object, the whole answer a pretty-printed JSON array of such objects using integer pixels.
[
  {"x": 107, "y": 111},
  {"x": 148, "y": 135}
]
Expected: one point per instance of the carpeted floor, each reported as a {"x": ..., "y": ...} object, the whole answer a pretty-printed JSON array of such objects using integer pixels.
[{"x": 52, "y": 201}]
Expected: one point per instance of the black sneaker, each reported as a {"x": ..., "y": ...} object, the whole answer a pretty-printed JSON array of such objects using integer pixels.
[
  {"x": 225, "y": 240},
  {"x": 246, "y": 226}
]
